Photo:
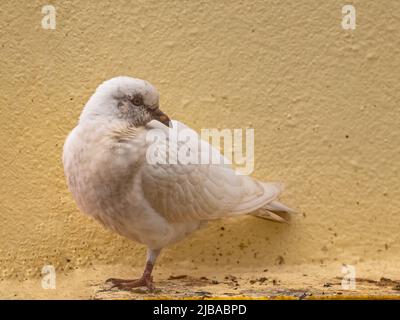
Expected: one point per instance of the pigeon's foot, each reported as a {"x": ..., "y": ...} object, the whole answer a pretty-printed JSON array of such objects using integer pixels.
[
  {"x": 145, "y": 281},
  {"x": 124, "y": 284}
]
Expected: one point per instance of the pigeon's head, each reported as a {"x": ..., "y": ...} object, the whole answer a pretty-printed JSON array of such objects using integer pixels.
[{"x": 127, "y": 99}]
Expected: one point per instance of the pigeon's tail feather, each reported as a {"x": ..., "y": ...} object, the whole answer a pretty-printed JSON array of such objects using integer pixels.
[
  {"x": 267, "y": 206},
  {"x": 271, "y": 191},
  {"x": 274, "y": 211},
  {"x": 268, "y": 215},
  {"x": 276, "y": 206}
]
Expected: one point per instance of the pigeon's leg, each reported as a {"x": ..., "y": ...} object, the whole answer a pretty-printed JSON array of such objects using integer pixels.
[{"x": 145, "y": 281}]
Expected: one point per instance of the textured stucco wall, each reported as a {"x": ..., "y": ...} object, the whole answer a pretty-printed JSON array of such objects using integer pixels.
[{"x": 323, "y": 102}]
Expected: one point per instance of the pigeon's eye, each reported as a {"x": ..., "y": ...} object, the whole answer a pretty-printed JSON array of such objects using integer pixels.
[{"x": 137, "y": 100}]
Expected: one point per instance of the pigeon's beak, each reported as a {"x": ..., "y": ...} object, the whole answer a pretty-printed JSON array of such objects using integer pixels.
[{"x": 162, "y": 117}]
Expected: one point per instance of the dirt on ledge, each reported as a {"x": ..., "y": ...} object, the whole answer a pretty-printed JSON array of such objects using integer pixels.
[{"x": 277, "y": 282}]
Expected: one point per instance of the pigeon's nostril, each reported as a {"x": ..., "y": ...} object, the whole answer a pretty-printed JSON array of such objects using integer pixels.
[{"x": 162, "y": 117}]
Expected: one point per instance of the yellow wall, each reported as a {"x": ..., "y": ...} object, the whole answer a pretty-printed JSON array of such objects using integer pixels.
[{"x": 323, "y": 102}]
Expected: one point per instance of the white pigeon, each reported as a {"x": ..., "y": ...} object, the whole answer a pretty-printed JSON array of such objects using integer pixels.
[{"x": 112, "y": 178}]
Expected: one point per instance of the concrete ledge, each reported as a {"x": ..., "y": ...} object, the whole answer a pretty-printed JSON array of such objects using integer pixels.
[{"x": 277, "y": 282}]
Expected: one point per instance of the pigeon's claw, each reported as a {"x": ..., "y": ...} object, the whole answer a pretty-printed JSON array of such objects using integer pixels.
[
  {"x": 125, "y": 284},
  {"x": 145, "y": 281}
]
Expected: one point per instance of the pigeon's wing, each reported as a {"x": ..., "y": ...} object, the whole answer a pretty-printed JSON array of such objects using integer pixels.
[{"x": 181, "y": 192}]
